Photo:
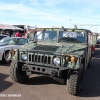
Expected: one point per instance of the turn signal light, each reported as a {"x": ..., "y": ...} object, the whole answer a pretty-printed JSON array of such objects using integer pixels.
[{"x": 73, "y": 59}]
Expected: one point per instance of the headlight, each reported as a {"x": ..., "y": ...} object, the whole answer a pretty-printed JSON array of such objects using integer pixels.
[
  {"x": 56, "y": 61},
  {"x": 24, "y": 57}
]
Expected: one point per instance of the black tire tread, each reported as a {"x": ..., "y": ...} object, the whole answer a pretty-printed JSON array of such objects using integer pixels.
[
  {"x": 72, "y": 83},
  {"x": 17, "y": 74}
]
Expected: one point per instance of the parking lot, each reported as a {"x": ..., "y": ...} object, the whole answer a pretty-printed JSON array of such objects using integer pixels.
[{"x": 40, "y": 87}]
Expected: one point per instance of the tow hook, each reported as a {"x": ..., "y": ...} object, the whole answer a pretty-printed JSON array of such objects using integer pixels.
[{"x": 54, "y": 73}]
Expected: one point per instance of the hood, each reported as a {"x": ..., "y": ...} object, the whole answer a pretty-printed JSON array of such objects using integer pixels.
[
  {"x": 77, "y": 49},
  {"x": 52, "y": 47},
  {"x": 56, "y": 47},
  {"x": 46, "y": 48}
]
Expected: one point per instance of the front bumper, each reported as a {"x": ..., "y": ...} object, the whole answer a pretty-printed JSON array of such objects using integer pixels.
[
  {"x": 53, "y": 71},
  {"x": 42, "y": 62}
]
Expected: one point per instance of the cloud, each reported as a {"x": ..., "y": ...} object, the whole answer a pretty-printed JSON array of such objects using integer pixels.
[
  {"x": 48, "y": 13},
  {"x": 46, "y": 2},
  {"x": 23, "y": 1},
  {"x": 35, "y": 3}
]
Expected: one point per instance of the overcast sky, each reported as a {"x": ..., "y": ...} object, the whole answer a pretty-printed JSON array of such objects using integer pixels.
[{"x": 48, "y": 13}]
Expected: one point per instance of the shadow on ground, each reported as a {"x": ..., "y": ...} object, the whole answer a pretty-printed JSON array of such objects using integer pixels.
[
  {"x": 91, "y": 83},
  {"x": 97, "y": 45},
  {"x": 4, "y": 84},
  {"x": 4, "y": 64},
  {"x": 41, "y": 80}
]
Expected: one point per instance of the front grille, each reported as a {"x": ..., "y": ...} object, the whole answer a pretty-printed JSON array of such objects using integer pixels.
[{"x": 40, "y": 58}]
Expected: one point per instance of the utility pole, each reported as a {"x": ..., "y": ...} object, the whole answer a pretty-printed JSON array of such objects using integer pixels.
[
  {"x": 70, "y": 23},
  {"x": 91, "y": 25},
  {"x": 90, "y": 28}
]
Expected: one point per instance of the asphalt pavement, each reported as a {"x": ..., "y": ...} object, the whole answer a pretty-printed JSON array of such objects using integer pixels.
[{"x": 40, "y": 87}]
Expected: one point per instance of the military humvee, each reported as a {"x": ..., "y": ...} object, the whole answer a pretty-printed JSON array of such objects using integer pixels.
[{"x": 57, "y": 52}]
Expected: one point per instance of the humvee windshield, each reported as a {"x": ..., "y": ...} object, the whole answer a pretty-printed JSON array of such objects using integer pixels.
[
  {"x": 63, "y": 36},
  {"x": 71, "y": 37},
  {"x": 46, "y": 36}
]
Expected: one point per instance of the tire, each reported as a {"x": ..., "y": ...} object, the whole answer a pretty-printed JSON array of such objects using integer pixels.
[
  {"x": 73, "y": 83},
  {"x": 5, "y": 58},
  {"x": 17, "y": 74}
]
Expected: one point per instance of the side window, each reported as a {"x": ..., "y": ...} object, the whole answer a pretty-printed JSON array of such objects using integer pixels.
[
  {"x": 12, "y": 42},
  {"x": 7, "y": 41}
]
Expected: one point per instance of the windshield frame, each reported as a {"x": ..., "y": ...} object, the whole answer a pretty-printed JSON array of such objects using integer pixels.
[
  {"x": 43, "y": 33},
  {"x": 58, "y": 33},
  {"x": 17, "y": 41},
  {"x": 76, "y": 37}
]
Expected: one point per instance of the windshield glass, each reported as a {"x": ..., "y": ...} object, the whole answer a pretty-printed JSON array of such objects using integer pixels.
[
  {"x": 18, "y": 41},
  {"x": 14, "y": 41},
  {"x": 5, "y": 40},
  {"x": 46, "y": 36},
  {"x": 78, "y": 37}
]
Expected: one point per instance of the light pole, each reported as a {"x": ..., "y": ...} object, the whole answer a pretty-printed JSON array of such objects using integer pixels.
[
  {"x": 70, "y": 23},
  {"x": 90, "y": 28},
  {"x": 96, "y": 29}
]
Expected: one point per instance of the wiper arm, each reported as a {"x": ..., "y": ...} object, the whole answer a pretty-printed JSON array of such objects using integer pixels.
[
  {"x": 77, "y": 41},
  {"x": 67, "y": 31},
  {"x": 39, "y": 34}
]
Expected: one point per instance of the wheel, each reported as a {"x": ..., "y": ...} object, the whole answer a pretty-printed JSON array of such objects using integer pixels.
[
  {"x": 17, "y": 74},
  {"x": 5, "y": 57},
  {"x": 74, "y": 82}
]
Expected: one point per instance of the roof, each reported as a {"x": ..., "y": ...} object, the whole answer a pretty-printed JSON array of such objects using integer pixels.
[
  {"x": 40, "y": 29},
  {"x": 7, "y": 26}
]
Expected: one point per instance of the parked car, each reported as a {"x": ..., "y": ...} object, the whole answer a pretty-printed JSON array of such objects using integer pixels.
[
  {"x": 94, "y": 42},
  {"x": 4, "y": 41},
  {"x": 57, "y": 52},
  {"x": 98, "y": 39},
  {"x": 9, "y": 43}
]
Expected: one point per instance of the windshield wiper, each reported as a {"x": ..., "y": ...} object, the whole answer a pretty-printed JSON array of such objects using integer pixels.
[
  {"x": 38, "y": 35},
  {"x": 77, "y": 41},
  {"x": 67, "y": 31}
]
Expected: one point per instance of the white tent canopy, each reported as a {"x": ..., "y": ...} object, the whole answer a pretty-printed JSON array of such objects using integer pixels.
[{"x": 6, "y": 26}]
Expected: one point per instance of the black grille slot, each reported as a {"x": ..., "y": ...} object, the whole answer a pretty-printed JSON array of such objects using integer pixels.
[
  {"x": 44, "y": 59},
  {"x": 29, "y": 57},
  {"x": 49, "y": 60},
  {"x": 36, "y": 57},
  {"x": 39, "y": 58},
  {"x": 32, "y": 58}
]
